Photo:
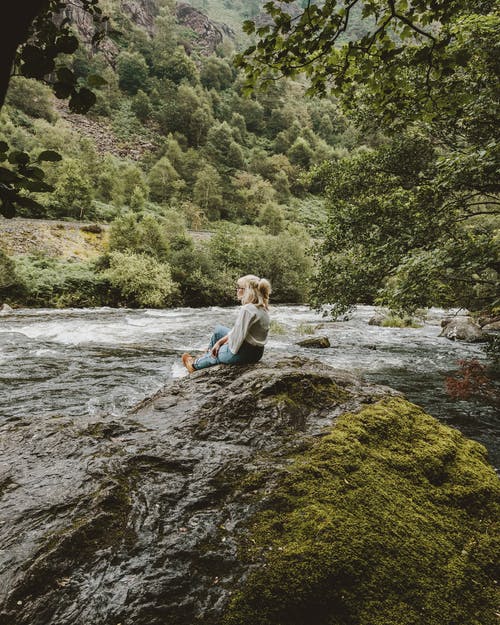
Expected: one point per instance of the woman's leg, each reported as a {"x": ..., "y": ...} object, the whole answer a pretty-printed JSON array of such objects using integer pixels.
[
  {"x": 247, "y": 354},
  {"x": 219, "y": 332},
  {"x": 207, "y": 360}
]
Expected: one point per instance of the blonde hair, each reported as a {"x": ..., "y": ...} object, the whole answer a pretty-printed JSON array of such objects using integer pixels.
[{"x": 256, "y": 291}]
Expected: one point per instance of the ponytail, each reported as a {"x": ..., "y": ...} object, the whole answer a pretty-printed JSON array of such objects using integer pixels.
[{"x": 257, "y": 291}]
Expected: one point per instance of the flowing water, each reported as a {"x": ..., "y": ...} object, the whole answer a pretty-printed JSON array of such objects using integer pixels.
[{"x": 85, "y": 362}]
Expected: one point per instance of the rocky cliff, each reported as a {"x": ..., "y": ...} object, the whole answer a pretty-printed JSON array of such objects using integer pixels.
[
  {"x": 286, "y": 492},
  {"x": 208, "y": 34}
]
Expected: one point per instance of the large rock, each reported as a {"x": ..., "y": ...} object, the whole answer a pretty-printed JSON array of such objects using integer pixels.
[
  {"x": 315, "y": 342},
  {"x": 462, "y": 329},
  {"x": 160, "y": 516}
]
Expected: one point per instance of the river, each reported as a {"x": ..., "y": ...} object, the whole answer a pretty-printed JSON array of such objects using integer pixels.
[{"x": 85, "y": 362}]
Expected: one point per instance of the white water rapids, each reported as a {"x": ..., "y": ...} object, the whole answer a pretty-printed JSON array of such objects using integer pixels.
[{"x": 84, "y": 362}]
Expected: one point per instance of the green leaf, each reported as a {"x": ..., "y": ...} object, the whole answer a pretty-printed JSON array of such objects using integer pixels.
[
  {"x": 66, "y": 76},
  {"x": 8, "y": 176},
  {"x": 62, "y": 90},
  {"x": 49, "y": 155},
  {"x": 37, "y": 186},
  {"x": 18, "y": 158},
  {"x": 248, "y": 27},
  {"x": 67, "y": 44},
  {"x": 27, "y": 202},
  {"x": 34, "y": 172},
  {"x": 82, "y": 101},
  {"x": 7, "y": 209}
]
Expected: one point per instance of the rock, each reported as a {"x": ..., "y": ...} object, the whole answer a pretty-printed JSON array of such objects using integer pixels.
[
  {"x": 462, "y": 329},
  {"x": 377, "y": 319},
  {"x": 6, "y": 310},
  {"x": 494, "y": 326},
  {"x": 158, "y": 517},
  {"x": 209, "y": 34},
  {"x": 486, "y": 320},
  {"x": 316, "y": 342}
]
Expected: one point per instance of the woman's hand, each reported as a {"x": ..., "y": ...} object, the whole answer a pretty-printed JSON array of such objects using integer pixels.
[{"x": 218, "y": 345}]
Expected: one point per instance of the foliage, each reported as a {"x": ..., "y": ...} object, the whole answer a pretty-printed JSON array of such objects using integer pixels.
[
  {"x": 21, "y": 176},
  {"x": 8, "y": 275},
  {"x": 164, "y": 181},
  {"x": 72, "y": 196},
  {"x": 30, "y": 96},
  {"x": 141, "y": 280},
  {"x": 141, "y": 233},
  {"x": 207, "y": 191},
  {"x": 389, "y": 518},
  {"x": 390, "y": 238},
  {"x": 471, "y": 380},
  {"x": 49, "y": 282},
  {"x": 47, "y": 39},
  {"x": 429, "y": 70},
  {"x": 132, "y": 71}
]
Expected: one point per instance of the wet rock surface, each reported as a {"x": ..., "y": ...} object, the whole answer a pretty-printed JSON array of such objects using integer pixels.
[
  {"x": 462, "y": 329},
  {"x": 136, "y": 520}
]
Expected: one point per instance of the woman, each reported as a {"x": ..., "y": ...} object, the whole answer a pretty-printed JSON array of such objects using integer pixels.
[{"x": 244, "y": 343}]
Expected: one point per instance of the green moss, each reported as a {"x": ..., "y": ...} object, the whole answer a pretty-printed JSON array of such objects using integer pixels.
[{"x": 387, "y": 520}]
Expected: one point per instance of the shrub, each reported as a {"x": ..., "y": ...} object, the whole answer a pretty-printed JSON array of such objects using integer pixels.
[
  {"x": 31, "y": 97},
  {"x": 139, "y": 234},
  {"x": 132, "y": 71},
  {"x": 49, "y": 282},
  {"x": 140, "y": 280}
]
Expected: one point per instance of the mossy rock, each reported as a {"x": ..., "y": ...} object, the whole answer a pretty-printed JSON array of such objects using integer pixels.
[{"x": 387, "y": 520}]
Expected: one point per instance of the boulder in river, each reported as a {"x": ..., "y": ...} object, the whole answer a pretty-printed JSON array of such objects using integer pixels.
[
  {"x": 5, "y": 309},
  {"x": 462, "y": 329},
  {"x": 316, "y": 342},
  {"x": 283, "y": 492}
]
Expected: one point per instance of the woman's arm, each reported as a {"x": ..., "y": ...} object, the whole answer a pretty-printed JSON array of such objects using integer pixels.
[
  {"x": 240, "y": 329},
  {"x": 218, "y": 345}
]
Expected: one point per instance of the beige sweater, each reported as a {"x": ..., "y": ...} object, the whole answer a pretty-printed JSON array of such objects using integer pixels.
[{"x": 251, "y": 325}]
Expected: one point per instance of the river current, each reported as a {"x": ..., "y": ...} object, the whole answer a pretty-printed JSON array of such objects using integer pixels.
[{"x": 85, "y": 362}]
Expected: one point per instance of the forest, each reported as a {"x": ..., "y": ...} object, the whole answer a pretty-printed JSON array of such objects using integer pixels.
[{"x": 350, "y": 159}]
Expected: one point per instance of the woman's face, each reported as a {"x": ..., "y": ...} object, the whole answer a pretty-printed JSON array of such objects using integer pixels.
[{"x": 240, "y": 289}]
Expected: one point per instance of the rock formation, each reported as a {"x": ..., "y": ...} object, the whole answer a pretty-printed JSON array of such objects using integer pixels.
[
  {"x": 180, "y": 511},
  {"x": 462, "y": 329}
]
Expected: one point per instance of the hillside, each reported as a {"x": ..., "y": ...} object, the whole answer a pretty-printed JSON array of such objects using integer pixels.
[{"x": 55, "y": 239}]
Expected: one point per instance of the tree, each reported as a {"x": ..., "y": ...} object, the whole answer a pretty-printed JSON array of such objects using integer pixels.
[
  {"x": 133, "y": 71},
  {"x": 142, "y": 281},
  {"x": 140, "y": 234},
  {"x": 164, "y": 181},
  {"x": 429, "y": 68},
  {"x": 392, "y": 239},
  {"x": 207, "y": 191},
  {"x": 73, "y": 190}
]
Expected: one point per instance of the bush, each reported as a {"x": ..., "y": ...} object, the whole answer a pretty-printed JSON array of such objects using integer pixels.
[
  {"x": 139, "y": 234},
  {"x": 132, "y": 71},
  {"x": 50, "y": 282},
  {"x": 141, "y": 280},
  {"x": 31, "y": 97}
]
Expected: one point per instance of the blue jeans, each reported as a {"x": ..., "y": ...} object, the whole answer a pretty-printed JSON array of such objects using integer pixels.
[{"x": 245, "y": 355}]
